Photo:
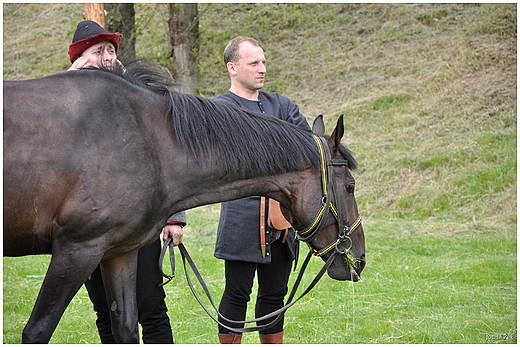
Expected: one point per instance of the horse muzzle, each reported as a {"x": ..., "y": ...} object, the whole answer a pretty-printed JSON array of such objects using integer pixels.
[{"x": 342, "y": 270}]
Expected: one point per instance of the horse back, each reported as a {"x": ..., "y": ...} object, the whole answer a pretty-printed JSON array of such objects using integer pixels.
[{"x": 76, "y": 159}]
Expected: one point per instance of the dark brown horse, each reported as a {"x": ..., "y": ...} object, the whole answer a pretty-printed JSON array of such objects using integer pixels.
[{"x": 95, "y": 162}]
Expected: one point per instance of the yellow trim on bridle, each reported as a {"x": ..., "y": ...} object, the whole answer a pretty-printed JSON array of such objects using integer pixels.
[
  {"x": 353, "y": 227},
  {"x": 343, "y": 230},
  {"x": 340, "y": 239},
  {"x": 323, "y": 169},
  {"x": 324, "y": 187}
]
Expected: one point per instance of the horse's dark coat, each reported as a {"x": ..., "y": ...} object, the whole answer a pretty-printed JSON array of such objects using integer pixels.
[{"x": 95, "y": 164}]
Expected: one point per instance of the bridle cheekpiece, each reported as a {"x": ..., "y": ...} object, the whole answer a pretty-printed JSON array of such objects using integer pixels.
[{"x": 328, "y": 203}]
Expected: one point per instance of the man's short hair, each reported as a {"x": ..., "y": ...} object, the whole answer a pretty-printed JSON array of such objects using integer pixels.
[{"x": 231, "y": 51}]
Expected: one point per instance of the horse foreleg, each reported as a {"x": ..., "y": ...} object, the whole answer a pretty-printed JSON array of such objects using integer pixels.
[
  {"x": 119, "y": 277},
  {"x": 66, "y": 273}
]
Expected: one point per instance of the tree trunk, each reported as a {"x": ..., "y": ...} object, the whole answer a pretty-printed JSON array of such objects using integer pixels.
[
  {"x": 184, "y": 45},
  {"x": 122, "y": 20},
  {"x": 96, "y": 13}
]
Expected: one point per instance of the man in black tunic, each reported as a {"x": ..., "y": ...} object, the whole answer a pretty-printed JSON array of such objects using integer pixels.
[{"x": 240, "y": 241}]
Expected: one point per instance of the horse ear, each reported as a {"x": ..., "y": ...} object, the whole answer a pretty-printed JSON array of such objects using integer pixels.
[
  {"x": 318, "y": 127},
  {"x": 337, "y": 134}
]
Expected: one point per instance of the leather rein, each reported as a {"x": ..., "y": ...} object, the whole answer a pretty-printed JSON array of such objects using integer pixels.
[{"x": 306, "y": 235}]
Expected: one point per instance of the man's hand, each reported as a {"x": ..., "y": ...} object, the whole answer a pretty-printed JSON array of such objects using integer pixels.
[
  {"x": 79, "y": 63},
  {"x": 175, "y": 231}
]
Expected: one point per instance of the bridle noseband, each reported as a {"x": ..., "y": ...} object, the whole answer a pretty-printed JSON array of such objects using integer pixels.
[{"x": 328, "y": 203}]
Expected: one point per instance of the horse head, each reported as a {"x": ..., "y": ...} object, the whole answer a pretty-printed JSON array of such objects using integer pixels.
[{"x": 336, "y": 231}]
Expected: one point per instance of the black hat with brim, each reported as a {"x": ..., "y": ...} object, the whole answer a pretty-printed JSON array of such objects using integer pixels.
[{"x": 89, "y": 33}]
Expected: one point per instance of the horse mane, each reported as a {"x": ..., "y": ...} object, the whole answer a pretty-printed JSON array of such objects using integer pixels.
[
  {"x": 240, "y": 141},
  {"x": 139, "y": 73}
]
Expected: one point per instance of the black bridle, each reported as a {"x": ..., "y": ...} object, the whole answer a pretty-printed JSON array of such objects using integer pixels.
[
  {"x": 328, "y": 203},
  {"x": 307, "y": 235}
]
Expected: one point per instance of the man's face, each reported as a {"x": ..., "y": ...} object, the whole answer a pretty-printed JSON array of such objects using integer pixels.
[
  {"x": 251, "y": 68},
  {"x": 101, "y": 54}
]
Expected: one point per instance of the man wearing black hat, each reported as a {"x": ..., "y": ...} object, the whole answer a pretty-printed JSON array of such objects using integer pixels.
[{"x": 93, "y": 46}]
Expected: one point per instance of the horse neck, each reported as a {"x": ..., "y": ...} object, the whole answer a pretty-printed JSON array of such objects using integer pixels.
[{"x": 209, "y": 189}]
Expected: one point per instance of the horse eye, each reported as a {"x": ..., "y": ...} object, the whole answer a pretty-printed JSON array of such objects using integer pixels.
[{"x": 350, "y": 188}]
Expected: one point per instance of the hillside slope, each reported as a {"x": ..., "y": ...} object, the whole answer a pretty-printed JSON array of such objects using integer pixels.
[{"x": 428, "y": 90}]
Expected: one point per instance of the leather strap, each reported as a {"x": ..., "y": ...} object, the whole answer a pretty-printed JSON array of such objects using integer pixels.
[
  {"x": 284, "y": 238},
  {"x": 186, "y": 258},
  {"x": 168, "y": 244},
  {"x": 262, "y": 225},
  {"x": 278, "y": 313}
]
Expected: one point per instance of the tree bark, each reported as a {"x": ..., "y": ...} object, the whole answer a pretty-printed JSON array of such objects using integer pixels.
[
  {"x": 96, "y": 13},
  {"x": 183, "y": 27},
  {"x": 122, "y": 20}
]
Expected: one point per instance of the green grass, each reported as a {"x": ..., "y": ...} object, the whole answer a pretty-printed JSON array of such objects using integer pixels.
[
  {"x": 429, "y": 94},
  {"x": 423, "y": 284}
]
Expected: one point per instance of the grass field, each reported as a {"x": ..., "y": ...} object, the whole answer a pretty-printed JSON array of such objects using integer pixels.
[
  {"x": 418, "y": 287},
  {"x": 429, "y": 95}
]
